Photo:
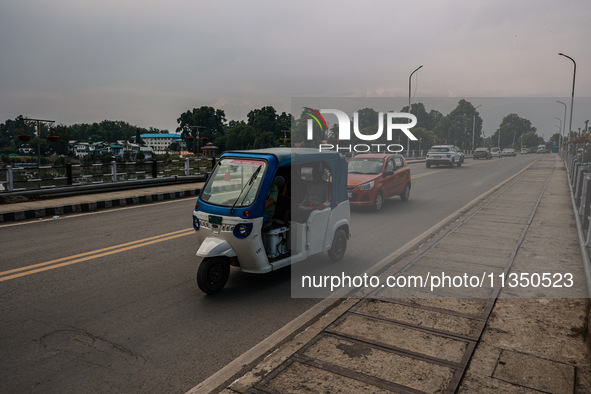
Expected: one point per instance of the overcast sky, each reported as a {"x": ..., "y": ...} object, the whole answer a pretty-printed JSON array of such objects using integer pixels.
[{"x": 146, "y": 62}]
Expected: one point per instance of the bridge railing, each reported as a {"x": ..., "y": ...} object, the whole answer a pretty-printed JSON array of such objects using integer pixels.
[
  {"x": 27, "y": 176},
  {"x": 579, "y": 177}
]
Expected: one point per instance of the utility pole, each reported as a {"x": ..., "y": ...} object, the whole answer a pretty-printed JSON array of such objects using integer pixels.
[
  {"x": 39, "y": 139},
  {"x": 572, "y": 97},
  {"x": 285, "y": 137},
  {"x": 409, "y": 78},
  {"x": 474, "y": 126}
]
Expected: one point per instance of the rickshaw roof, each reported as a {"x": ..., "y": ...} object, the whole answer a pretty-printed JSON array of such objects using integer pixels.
[
  {"x": 298, "y": 156},
  {"x": 287, "y": 156}
]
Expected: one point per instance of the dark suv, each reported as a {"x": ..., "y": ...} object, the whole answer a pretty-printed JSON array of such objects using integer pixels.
[{"x": 481, "y": 153}]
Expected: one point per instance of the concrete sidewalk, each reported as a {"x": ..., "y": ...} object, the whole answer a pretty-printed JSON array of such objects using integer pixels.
[
  {"x": 37, "y": 208},
  {"x": 512, "y": 338}
]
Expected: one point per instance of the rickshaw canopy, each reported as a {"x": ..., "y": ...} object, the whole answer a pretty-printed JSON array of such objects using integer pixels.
[{"x": 281, "y": 157}]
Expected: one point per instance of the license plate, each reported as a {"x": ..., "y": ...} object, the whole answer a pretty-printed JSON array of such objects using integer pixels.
[
  {"x": 350, "y": 195},
  {"x": 215, "y": 219}
]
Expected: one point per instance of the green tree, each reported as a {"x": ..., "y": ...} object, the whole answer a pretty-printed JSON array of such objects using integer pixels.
[
  {"x": 511, "y": 129},
  {"x": 425, "y": 138},
  {"x": 456, "y": 127},
  {"x": 207, "y": 120},
  {"x": 240, "y": 137},
  {"x": 426, "y": 120},
  {"x": 266, "y": 120},
  {"x": 529, "y": 139},
  {"x": 555, "y": 139},
  {"x": 299, "y": 132}
]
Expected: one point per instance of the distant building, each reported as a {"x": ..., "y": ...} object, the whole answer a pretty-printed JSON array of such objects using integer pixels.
[
  {"x": 116, "y": 149},
  {"x": 25, "y": 150},
  {"x": 209, "y": 150},
  {"x": 80, "y": 149},
  {"x": 148, "y": 152},
  {"x": 160, "y": 142}
]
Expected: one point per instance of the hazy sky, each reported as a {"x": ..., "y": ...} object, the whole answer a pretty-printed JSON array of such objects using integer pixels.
[{"x": 145, "y": 62}]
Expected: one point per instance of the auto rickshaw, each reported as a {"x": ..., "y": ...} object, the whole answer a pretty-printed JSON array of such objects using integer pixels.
[{"x": 232, "y": 223}]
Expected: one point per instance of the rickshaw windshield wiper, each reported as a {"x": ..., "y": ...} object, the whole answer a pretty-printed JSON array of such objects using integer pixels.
[{"x": 249, "y": 185}]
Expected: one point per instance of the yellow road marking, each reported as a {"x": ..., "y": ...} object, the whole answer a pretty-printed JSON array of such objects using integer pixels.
[{"x": 78, "y": 258}]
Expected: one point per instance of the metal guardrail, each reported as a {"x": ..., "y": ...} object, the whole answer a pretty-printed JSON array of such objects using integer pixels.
[
  {"x": 29, "y": 177},
  {"x": 579, "y": 176}
]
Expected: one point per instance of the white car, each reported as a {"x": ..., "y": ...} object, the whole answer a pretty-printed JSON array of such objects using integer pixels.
[
  {"x": 449, "y": 155},
  {"x": 495, "y": 152},
  {"x": 508, "y": 152}
]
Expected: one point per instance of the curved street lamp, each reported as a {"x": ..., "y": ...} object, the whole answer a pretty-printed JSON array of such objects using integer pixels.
[
  {"x": 560, "y": 126},
  {"x": 572, "y": 97},
  {"x": 563, "y": 120},
  {"x": 417, "y": 69}
]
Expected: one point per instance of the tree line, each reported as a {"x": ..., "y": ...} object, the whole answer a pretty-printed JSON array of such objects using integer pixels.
[{"x": 265, "y": 127}]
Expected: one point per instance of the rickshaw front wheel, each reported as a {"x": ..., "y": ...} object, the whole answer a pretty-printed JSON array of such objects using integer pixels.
[
  {"x": 213, "y": 273},
  {"x": 339, "y": 245}
]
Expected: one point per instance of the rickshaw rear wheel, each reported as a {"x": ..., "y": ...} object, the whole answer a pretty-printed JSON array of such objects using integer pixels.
[
  {"x": 339, "y": 246},
  {"x": 213, "y": 273}
]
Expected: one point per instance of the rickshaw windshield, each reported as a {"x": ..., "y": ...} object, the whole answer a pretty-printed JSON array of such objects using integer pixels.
[{"x": 235, "y": 182}]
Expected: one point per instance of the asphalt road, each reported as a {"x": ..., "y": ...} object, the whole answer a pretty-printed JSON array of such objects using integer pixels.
[{"x": 114, "y": 306}]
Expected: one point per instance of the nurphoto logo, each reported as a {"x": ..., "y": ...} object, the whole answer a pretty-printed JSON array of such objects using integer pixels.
[{"x": 344, "y": 133}]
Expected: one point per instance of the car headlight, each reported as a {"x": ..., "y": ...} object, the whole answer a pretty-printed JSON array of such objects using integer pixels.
[
  {"x": 367, "y": 186},
  {"x": 242, "y": 230},
  {"x": 195, "y": 223}
]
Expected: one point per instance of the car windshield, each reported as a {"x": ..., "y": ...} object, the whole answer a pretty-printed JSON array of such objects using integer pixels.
[
  {"x": 234, "y": 182},
  {"x": 481, "y": 149},
  {"x": 365, "y": 166},
  {"x": 439, "y": 149}
]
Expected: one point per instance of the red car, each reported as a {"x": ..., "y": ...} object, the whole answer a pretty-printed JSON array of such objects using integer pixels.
[{"x": 374, "y": 177}]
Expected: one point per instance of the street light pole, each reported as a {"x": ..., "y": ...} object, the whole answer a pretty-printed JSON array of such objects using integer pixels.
[
  {"x": 409, "y": 78},
  {"x": 572, "y": 97},
  {"x": 474, "y": 126},
  {"x": 563, "y": 121},
  {"x": 559, "y": 131}
]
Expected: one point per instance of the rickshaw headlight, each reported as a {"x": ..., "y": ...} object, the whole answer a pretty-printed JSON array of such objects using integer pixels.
[
  {"x": 242, "y": 230},
  {"x": 195, "y": 223}
]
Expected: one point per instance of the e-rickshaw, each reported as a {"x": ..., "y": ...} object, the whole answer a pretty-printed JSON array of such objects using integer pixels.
[{"x": 233, "y": 225}]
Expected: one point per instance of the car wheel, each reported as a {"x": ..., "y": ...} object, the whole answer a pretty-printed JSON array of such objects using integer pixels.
[
  {"x": 406, "y": 193},
  {"x": 378, "y": 202},
  {"x": 452, "y": 163},
  {"x": 428, "y": 165},
  {"x": 213, "y": 273},
  {"x": 339, "y": 246},
  {"x": 459, "y": 163}
]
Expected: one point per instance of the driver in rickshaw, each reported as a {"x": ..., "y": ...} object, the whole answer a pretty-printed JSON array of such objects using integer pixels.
[{"x": 271, "y": 203}]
